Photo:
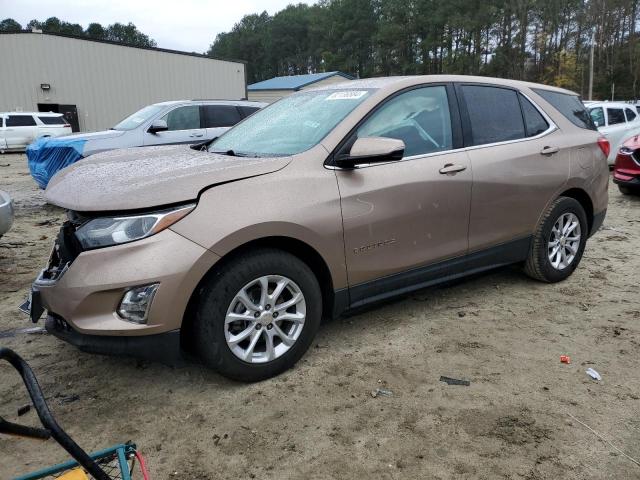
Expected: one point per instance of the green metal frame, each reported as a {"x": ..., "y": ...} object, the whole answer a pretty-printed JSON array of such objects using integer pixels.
[{"x": 121, "y": 451}]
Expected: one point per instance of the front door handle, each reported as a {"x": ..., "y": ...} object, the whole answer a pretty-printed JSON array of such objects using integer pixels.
[
  {"x": 451, "y": 168},
  {"x": 549, "y": 150},
  {"x": 196, "y": 135}
]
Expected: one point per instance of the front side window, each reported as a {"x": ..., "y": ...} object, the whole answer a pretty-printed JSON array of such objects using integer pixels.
[
  {"x": 291, "y": 125},
  {"x": 631, "y": 116},
  {"x": 534, "y": 122},
  {"x": 616, "y": 116},
  {"x": 220, "y": 116},
  {"x": 419, "y": 117},
  {"x": 183, "y": 118},
  {"x": 494, "y": 114},
  {"x": 20, "y": 121},
  {"x": 246, "y": 111},
  {"x": 569, "y": 106},
  {"x": 597, "y": 115},
  {"x": 141, "y": 116}
]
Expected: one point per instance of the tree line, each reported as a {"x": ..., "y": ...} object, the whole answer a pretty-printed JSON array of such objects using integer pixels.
[
  {"x": 116, "y": 32},
  {"x": 545, "y": 41}
]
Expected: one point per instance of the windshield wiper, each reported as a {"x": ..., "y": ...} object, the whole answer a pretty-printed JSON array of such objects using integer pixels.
[{"x": 230, "y": 153}]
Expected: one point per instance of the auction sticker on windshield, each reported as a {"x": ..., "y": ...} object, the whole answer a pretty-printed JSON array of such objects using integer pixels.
[{"x": 347, "y": 95}]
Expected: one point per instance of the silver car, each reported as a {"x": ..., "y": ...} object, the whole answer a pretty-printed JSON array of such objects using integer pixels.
[
  {"x": 166, "y": 123},
  {"x": 6, "y": 212}
]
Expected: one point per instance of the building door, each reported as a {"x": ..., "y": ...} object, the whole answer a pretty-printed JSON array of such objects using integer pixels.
[{"x": 69, "y": 112}]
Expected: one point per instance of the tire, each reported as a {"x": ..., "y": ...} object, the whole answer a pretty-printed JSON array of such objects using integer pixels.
[
  {"x": 220, "y": 297},
  {"x": 625, "y": 190},
  {"x": 538, "y": 264}
]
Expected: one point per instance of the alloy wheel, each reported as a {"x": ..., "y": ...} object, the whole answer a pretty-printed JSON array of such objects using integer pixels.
[
  {"x": 564, "y": 241},
  {"x": 265, "y": 318}
]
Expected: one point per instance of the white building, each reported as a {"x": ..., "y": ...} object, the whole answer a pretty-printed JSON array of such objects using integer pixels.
[{"x": 97, "y": 83}]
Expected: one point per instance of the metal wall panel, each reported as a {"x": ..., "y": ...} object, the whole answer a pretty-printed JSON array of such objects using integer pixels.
[{"x": 106, "y": 82}]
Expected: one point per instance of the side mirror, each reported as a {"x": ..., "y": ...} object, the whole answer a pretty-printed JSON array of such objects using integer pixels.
[
  {"x": 158, "y": 126},
  {"x": 372, "y": 150}
]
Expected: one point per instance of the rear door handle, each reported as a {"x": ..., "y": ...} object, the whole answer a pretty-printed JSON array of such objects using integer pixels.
[
  {"x": 196, "y": 135},
  {"x": 451, "y": 168},
  {"x": 549, "y": 150}
]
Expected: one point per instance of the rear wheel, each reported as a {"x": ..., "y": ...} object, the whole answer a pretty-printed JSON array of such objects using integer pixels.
[
  {"x": 257, "y": 315},
  {"x": 558, "y": 242}
]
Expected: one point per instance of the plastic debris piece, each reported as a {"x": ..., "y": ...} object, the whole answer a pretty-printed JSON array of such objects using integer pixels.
[
  {"x": 381, "y": 392},
  {"x": 593, "y": 374},
  {"x": 24, "y": 409},
  {"x": 455, "y": 381},
  {"x": 565, "y": 359}
]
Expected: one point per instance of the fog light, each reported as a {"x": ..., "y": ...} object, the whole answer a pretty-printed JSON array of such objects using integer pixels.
[{"x": 136, "y": 302}]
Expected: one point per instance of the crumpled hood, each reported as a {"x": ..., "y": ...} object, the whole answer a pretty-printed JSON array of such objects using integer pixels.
[
  {"x": 95, "y": 135},
  {"x": 147, "y": 177}
]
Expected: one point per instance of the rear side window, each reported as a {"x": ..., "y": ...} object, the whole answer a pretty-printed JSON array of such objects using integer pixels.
[
  {"x": 20, "y": 121},
  {"x": 494, "y": 113},
  {"x": 569, "y": 106},
  {"x": 597, "y": 115},
  {"x": 616, "y": 116},
  {"x": 52, "y": 120},
  {"x": 246, "y": 111},
  {"x": 534, "y": 122},
  {"x": 631, "y": 115},
  {"x": 220, "y": 116}
]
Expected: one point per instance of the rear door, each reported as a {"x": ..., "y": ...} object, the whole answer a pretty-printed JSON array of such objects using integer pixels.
[
  {"x": 400, "y": 216},
  {"x": 217, "y": 119},
  {"x": 184, "y": 127},
  {"x": 517, "y": 165},
  {"x": 20, "y": 131}
]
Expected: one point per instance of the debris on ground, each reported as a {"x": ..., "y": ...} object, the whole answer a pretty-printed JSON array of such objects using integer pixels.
[
  {"x": 565, "y": 359},
  {"x": 593, "y": 374},
  {"x": 64, "y": 399},
  {"x": 455, "y": 381},
  {"x": 24, "y": 409},
  {"x": 381, "y": 392}
]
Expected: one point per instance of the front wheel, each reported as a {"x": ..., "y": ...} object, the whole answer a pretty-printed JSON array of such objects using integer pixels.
[
  {"x": 257, "y": 315},
  {"x": 558, "y": 242}
]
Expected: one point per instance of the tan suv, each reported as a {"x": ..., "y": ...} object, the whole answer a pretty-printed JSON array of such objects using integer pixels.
[{"x": 327, "y": 200}]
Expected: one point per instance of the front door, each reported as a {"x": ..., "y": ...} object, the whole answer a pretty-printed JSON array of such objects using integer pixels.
[
  {"x": 184, "y": 127},
  {"x": 401, "y": 216}
]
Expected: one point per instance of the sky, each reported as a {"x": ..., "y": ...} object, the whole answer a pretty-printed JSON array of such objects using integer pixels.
[{"x": 189, "y": 25}]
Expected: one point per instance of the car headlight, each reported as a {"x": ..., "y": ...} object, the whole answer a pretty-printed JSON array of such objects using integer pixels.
[{"x": 108, "y": 231}]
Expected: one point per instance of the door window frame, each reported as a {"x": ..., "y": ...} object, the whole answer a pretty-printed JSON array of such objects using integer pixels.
[
  {"x": 456, "y": 128},
  {"x": 466, "y": 121}
]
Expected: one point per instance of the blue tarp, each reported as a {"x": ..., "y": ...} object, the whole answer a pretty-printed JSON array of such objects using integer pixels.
[{"x": 48, "y": 155}]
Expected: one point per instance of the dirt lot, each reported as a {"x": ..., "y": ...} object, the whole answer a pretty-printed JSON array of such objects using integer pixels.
[{"x": 525, "y": 414}]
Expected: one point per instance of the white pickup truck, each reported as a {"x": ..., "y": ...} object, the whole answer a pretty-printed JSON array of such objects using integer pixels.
[
  {"x": 616, "y": 121},
  {"x": 19, "y": 129}
]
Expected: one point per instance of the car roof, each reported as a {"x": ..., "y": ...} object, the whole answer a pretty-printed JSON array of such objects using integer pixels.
[
  {"x": 611, "y": 104},
  {"x": 209, "y": 102},
  {"x": 41, "y": 114},
  {"x": 395, "y": 83}
]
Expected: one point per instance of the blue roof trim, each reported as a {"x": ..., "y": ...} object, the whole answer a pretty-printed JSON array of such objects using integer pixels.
[{"x": 294, "y": 82}]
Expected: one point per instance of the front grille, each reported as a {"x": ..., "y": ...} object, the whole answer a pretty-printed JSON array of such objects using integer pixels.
[{"x": 65, "y": 250}]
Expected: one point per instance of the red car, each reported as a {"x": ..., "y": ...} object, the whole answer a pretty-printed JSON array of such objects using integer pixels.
[{"x": 626, "y": 172}]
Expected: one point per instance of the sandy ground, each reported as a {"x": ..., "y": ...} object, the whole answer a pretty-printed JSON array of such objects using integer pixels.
[{"x": 522, "y": 416}]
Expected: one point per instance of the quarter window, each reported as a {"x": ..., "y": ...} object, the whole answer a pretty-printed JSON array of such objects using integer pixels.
[
  {"x": 20, "y": 121},
  {"x": 220, "y": 116},
  {"x": 569, "y": 106},
  {"x": 183, "y": 118},
  {"x": 534, "y": 122},
  {"x": 419, "y": 117},
  {"x": 53, "y": 120},
  {"x": 616, "y": 116},
  {"x": 630, "y": 115},
  {"x": 494, "y": 113}
]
